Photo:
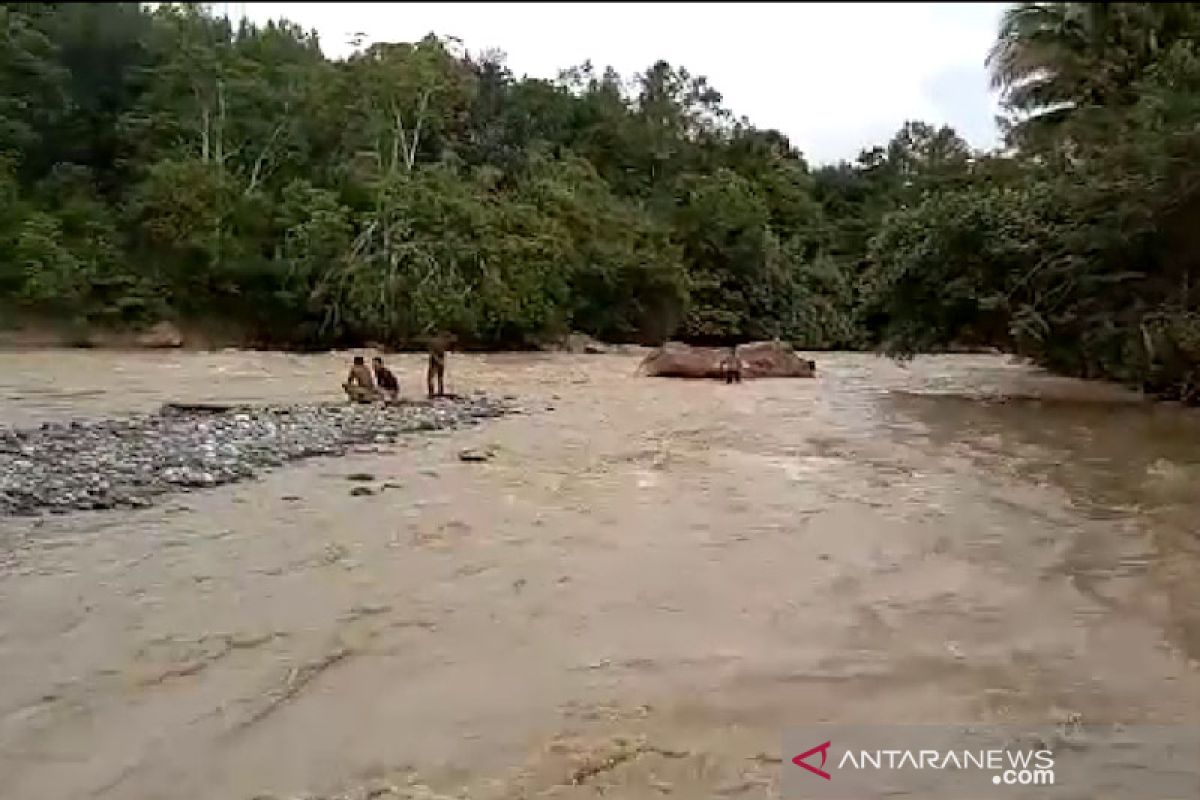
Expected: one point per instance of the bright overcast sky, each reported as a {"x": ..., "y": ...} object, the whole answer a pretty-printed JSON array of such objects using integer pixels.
[{"x": 835, "y": 77}]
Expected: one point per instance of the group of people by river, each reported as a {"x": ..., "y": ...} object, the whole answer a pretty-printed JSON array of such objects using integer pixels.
[{"x": 378, "y": 383}]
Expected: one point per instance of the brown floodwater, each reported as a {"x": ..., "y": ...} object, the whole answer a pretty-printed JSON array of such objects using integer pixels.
[{"x": 647, "y": 583}]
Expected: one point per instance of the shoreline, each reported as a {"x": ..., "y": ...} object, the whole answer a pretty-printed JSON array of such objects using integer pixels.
[
  {"x": 610, "y": 348},
  {"x": 129, "y": 461},
  {"x": 200, "y": 337}
]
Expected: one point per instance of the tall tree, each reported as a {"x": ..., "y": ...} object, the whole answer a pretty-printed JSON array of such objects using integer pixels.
[{"x": 1053, "y": 59}]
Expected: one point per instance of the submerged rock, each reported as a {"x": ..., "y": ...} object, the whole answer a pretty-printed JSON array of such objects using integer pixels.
[{"x": 475, "y": 454}]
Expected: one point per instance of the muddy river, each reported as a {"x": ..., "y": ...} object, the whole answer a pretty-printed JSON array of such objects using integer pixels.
[{"x": 647, "y": 583}]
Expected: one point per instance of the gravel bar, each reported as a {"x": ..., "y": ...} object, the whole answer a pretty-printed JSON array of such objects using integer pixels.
[{"x": 125, "y": 463}]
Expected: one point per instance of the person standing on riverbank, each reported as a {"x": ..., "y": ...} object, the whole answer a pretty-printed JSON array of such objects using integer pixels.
[
  {"x": 438, "y": 345},
  {"x": 731, "y": 366}
]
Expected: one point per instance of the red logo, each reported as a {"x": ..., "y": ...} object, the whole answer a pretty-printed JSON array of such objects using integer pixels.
[{"x": 823, "y": 750}]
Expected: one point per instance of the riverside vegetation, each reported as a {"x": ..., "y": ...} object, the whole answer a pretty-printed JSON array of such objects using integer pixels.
[{"x": 165, "y": 165}]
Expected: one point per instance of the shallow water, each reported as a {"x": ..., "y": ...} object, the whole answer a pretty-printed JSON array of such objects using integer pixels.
[{"x": 691, "y": 566}]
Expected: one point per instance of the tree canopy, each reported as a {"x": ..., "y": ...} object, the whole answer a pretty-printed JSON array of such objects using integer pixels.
[{"x": 167, "y": 164}]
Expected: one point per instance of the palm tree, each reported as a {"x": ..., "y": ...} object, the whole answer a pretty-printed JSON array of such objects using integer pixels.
[{"x": 1052, "y": 59}]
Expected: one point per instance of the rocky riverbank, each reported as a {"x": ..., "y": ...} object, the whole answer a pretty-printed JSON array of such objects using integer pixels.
[{"x": 128, "y": 462}]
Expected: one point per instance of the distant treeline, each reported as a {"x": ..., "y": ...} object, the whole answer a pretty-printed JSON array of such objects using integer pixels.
[{"x": 166, "y": 165}]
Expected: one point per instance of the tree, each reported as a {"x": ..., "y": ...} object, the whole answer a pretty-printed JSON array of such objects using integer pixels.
[
  {"x": 33, "y": 96},
  {"x": 404, "y": 99},
  {"x": 161, "y": 163},
  {"x": 1053, "y": 59}
]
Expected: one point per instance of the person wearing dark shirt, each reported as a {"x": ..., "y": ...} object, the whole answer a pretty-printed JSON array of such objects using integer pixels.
[{"x": 389, "y": 387}]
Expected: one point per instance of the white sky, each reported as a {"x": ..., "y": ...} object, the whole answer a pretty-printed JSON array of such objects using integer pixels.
[{"x": 834, "y": 77}]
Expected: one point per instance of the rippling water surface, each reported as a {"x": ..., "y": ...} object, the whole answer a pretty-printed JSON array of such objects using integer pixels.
[{"x": 643, "y": 587}]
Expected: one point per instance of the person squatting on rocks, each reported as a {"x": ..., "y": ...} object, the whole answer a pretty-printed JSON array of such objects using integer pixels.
[
  {"x": 731, "y": 367},
  {"x": 438, "y": 345},
  {"x": 385, "y": 380},
  {"x": 360, "y": 384}
]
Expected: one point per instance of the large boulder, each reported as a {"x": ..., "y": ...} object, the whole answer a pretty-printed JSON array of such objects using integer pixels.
[
  {"x": 677, "y": 360},
  {"x": 773, "y": 360},
  {"x": 758, "y": 360}
]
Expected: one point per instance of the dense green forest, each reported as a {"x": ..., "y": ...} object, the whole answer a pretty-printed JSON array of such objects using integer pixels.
[{"x": 166, "y": 165}]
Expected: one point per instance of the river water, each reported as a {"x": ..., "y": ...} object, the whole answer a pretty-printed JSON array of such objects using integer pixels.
[{"x": 645, "y": 586}]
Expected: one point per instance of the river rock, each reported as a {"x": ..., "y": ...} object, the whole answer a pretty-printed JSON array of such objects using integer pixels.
[
  {"x": 578, "y": 343},
  {"x": 160, "y": 335},
  {"x": 475, "y": 454},
  {"x": 582, "y": 343},
  {"x": 773, "y": 359},
  {"x": 128, "y": 462}
]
